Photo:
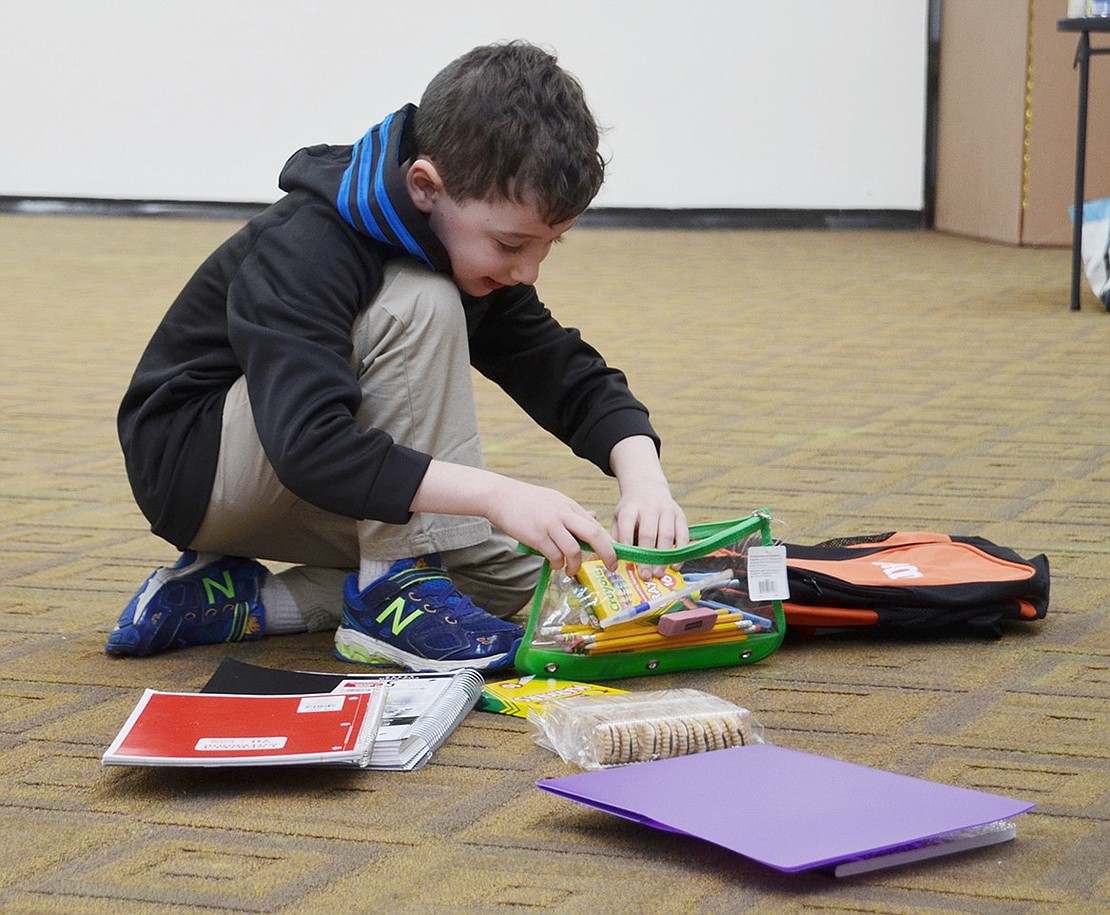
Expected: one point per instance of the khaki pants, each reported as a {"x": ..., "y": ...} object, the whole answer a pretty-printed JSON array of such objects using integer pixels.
[{"x": 412, "y": 361}]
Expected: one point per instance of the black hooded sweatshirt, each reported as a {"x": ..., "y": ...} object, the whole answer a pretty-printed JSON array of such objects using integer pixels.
[{"x": 277, "y": 301}]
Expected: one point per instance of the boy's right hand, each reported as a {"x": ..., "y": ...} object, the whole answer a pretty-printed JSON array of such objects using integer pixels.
[
  {"x": 539, "y": 517},
  {"x": 552, "y": 524}
]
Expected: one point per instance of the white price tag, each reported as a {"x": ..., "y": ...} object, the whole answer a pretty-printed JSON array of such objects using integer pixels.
[{"x": 767, "y": 573}]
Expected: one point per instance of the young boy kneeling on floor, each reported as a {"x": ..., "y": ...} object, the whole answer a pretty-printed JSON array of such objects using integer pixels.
[{"x": 307, "y": 398}]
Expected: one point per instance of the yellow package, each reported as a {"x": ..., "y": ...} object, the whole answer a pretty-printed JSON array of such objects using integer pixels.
[
  {"x": 609, "y": 597},
  {"x": 517, "y": 695}
]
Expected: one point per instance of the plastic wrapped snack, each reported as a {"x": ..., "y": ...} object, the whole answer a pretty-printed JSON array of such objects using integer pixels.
[{"x": 595, "y": 732}]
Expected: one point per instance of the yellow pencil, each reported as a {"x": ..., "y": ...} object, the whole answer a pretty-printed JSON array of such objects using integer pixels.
[
  {"x": 725, "y": 625},
  {"x": 658, "y": 645},
  {"x": 633, "y": 636},
  {"x": 624, "y": 629},
  {"x": 728, "y": 632},
  {"x": 636, "y": 627}
]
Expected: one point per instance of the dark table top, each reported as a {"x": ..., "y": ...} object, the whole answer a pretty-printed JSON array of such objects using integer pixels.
[{"x": 1084, "y": 24}]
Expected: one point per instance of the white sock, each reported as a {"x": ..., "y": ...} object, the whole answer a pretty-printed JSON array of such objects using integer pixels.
[
  {"x": 282, "y": 613},
  {"x": 370, "y": 570}
]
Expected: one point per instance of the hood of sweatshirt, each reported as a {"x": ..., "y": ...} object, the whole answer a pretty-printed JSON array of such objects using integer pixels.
[{"x": 366, "y": 184}]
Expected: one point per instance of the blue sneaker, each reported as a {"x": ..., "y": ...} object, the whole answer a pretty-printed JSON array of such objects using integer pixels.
[
  {"x": 204, "y": 598},
  {"x": 414, "y": 617}
]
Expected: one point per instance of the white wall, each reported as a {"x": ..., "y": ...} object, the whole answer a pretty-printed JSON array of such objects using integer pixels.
[{"x": 708, "y": 103}]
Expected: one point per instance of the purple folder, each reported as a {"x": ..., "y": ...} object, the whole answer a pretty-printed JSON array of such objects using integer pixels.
[{"x": 785, "y": 808}]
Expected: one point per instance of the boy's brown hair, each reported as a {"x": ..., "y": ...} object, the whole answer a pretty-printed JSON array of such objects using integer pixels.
[{"x": 506, "y": 121}]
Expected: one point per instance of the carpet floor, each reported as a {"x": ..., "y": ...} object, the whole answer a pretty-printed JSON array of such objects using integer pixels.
[{"x": 852, "y": 382}]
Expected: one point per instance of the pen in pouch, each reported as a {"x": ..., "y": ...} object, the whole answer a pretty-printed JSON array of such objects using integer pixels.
[{"x": 764, "y": 622}]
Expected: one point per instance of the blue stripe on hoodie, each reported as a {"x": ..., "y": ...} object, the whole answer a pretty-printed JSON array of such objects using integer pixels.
[
  {"x": 365, "y": 180},
  {"x": 385, "y": 204}
]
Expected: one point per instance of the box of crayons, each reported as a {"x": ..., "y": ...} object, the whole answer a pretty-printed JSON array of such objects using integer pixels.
[
  {"x": 608, "y": 598},
  {"x": 609, "y": 624}
]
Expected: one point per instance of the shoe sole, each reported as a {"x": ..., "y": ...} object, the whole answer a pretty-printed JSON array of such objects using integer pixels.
[{"x": 351, "y": 645}]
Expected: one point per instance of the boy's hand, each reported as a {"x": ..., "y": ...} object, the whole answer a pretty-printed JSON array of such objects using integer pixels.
[
  {"x": 650, "y": 519},
  {"x": 646, "y": 514},
  {"x": 552, "y": 523},
  {"x": 542, "y": 518}
]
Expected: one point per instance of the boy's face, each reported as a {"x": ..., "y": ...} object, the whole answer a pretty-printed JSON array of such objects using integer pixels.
[{"x": 492, "y": 244}]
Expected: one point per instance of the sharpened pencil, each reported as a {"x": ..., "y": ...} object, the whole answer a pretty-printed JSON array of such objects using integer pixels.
[{"x": 734, "y": 631}]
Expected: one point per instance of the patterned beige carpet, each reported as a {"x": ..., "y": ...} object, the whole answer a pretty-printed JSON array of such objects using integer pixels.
[{"x": 852, "y": 382}]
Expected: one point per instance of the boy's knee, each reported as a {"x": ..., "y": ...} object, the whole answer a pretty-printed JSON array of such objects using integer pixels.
[
  {"x": 412, "y": 301},
  {"x": 415, "y": 296}
]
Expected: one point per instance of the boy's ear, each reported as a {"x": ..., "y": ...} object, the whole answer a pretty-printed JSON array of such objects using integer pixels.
[{"x": 424, "y": 184}]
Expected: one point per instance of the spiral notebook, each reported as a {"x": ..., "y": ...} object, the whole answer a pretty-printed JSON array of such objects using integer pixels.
[
  {"x": 422, "y": 710},
  {"x": 217, "y": 729}
]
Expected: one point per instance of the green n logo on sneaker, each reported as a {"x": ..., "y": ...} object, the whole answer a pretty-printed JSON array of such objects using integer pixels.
[
  {"x": 227, "y": 589},
  {"x": 396, "y": 608}
]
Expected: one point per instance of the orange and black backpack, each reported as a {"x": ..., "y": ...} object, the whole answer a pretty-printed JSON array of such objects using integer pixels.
[{"x": 913, "y": 581}]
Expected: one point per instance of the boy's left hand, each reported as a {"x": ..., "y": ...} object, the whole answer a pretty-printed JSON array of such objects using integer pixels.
[
  {"x": 655, "y": 522},
  {"x": 646, "y": 514}
]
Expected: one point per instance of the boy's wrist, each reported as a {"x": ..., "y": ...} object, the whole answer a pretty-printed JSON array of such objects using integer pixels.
[
  {"x": 457, "y": 489},
  {"x": 636, "y": 463}
]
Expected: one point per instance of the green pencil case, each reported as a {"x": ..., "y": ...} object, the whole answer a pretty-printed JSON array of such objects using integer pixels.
[{"x": 563, "y": 631}]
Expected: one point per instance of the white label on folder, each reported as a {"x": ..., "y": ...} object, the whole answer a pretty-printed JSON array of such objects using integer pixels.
[
  {"x": 767, "y": 573},
  {"x": 218, "y": 744},
  {"x": 332, "y": 703},
  {"x": 356, "y": 686}
]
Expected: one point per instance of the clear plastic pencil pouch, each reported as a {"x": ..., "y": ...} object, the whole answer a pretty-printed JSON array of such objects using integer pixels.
[{"x": 717, "y": 604}]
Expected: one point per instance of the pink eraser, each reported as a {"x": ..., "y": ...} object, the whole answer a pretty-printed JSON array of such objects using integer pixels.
[{"x": 683, "y": 622}]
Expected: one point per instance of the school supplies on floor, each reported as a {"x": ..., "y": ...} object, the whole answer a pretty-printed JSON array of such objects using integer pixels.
[
  {"x": 695, "y": 618},
  {"x": 517, "y": 696},
  {"x": 598, "y": 731},
  {"x": 699, "y": 623},
  {"x": 795, "y": 811},
  {"x": 422, "y": 710},
  {"x": 218, "y": 729}
]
